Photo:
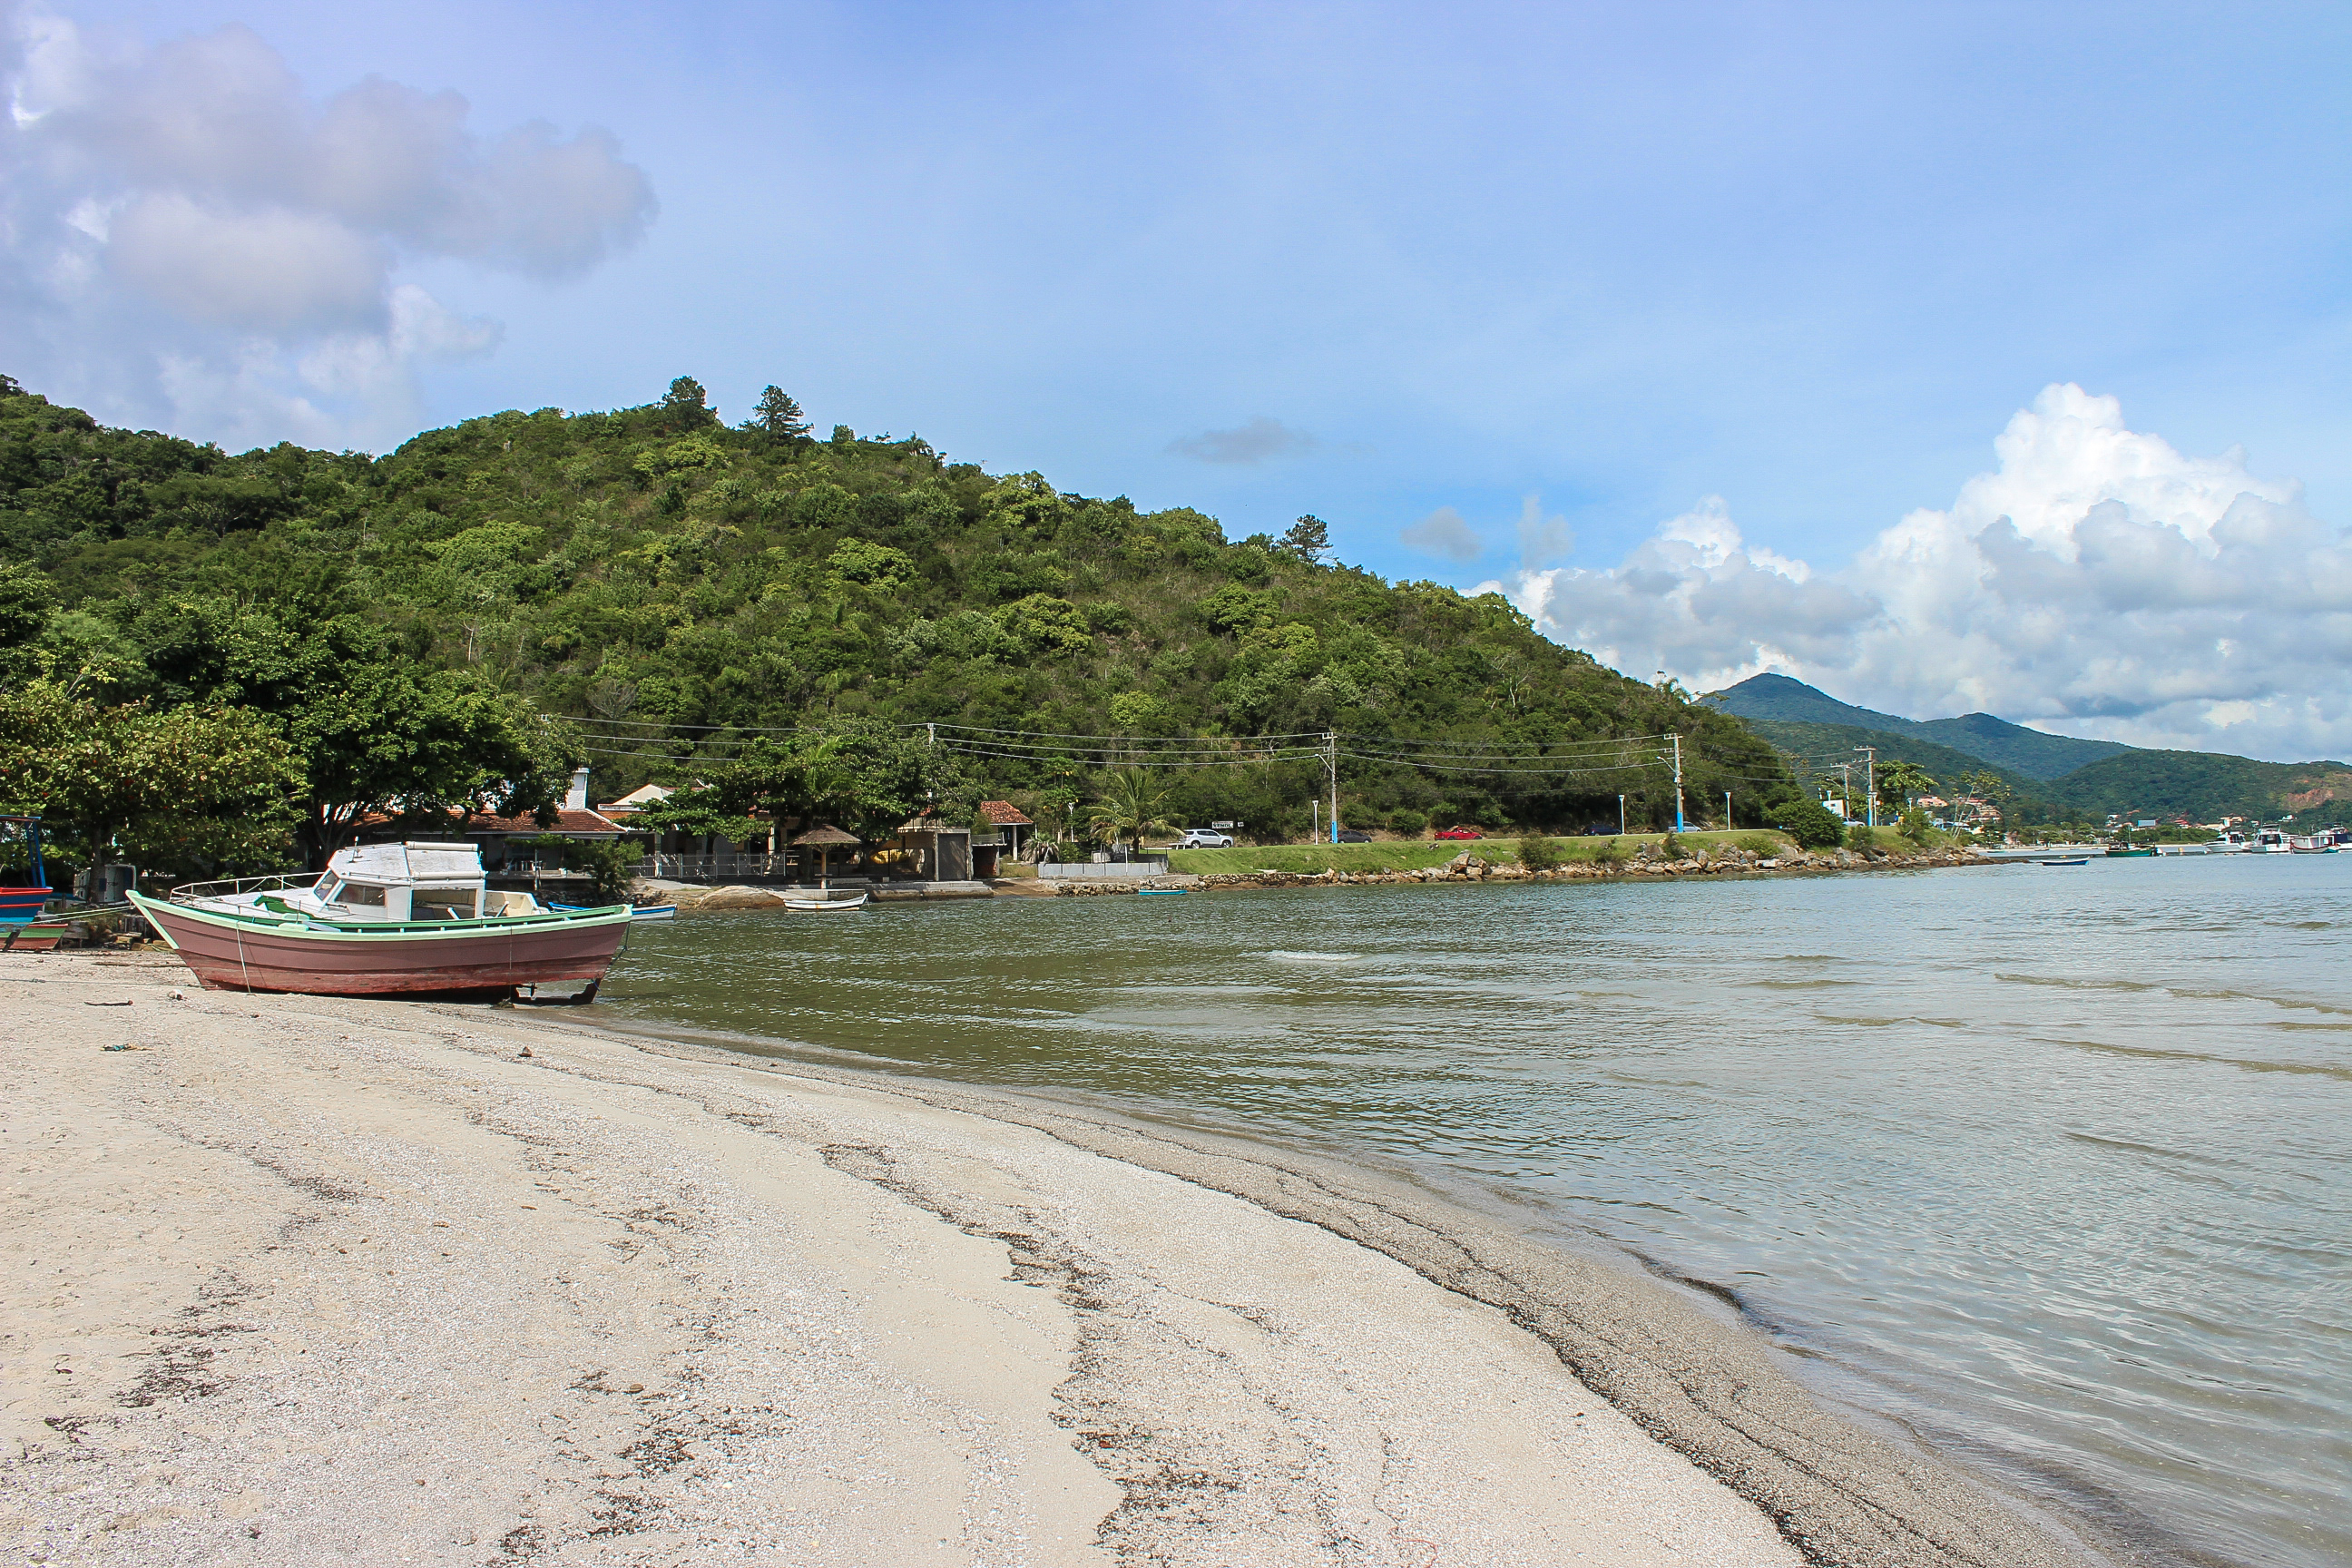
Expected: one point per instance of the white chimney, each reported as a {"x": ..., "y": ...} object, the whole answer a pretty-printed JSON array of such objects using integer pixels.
[{"x": 577, "y": 800}]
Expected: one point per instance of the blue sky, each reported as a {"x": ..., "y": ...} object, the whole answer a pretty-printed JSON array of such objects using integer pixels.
[{"x": 1810, "y": 260}]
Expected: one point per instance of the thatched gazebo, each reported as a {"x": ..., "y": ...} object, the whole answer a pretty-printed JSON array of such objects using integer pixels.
[{"x": 825, "y": 839}]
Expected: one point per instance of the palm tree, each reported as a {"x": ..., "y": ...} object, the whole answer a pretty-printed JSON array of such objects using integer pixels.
[{"x": 1131, "y": 807}]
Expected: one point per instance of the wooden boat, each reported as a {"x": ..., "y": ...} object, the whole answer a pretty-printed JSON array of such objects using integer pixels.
[
  {"x": 383, "y": 920},
  {"x": 20, "y": 904},
  {"x": 32, "y": 936},
  {"x": 637, "y": 911},
  {"x": 826, "y": 906}
]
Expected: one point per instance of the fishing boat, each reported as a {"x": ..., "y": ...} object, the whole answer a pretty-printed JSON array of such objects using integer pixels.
[
  {"x": 637, "y": 911},
  {"x": 826, "y": 906},
  {"x": 2269, "y": 841},
  {"x": 2125, "y": 852},
  {"x": 21, "y": 903},
  {"x": 2074, "y": 860},
  {"x": 385, "y": 919}
]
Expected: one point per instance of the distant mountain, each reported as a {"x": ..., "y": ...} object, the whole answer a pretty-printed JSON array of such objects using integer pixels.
[
  {"x": 2016, "y": 748},
  {"x": 2204, "y": 787},
  {"x": 1806, "y": 743},
  {"x": 2054, "y": 775},
  {"x": 1793, "y": 701},
  {"x": 2027, "y": 753}
]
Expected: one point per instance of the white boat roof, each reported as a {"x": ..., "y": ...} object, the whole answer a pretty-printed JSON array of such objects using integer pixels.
[{"x": 410, "y": 865}]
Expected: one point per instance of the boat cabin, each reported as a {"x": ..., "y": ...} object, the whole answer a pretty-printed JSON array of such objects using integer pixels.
[{"x": 409, "y": 881}]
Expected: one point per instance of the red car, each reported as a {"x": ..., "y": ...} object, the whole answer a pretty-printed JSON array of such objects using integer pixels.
[{"x": 1459, "y": 833}]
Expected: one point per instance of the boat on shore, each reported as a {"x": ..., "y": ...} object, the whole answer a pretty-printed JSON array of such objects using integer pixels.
[
  {"x": 826, "y": 906},
  {"x": 385, "y": 919},
  {"x": 21, "y": 903}
]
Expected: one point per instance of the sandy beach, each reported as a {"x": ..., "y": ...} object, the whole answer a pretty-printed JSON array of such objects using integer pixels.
[{"x": 295, "y": 1280}]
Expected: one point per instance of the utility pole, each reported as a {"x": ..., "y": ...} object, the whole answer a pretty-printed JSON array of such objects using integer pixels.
[
  {"x": 1678, "y": 783},
  {"x": 1869, "y": 784},
  {"x": 1331, "y": 762}
]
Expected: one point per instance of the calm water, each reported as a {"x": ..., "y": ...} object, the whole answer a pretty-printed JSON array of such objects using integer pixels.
[{"x": 2049, "y": 1165}]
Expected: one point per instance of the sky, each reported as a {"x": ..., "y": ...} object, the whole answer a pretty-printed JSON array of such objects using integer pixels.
[{"x": 1722, "y": 338}]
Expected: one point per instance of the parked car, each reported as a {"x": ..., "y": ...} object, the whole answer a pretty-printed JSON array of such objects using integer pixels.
[
  {"x": 1459, "y": 833},
  {"x": 1204, "y": 838},
  {"x": 1351, "y": 836}
]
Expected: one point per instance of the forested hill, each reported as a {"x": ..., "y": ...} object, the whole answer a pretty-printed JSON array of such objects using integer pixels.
[{"x": 654, "y": 574}]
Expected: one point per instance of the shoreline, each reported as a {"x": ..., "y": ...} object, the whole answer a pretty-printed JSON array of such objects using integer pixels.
[{"x": 1226, "y": 1356}]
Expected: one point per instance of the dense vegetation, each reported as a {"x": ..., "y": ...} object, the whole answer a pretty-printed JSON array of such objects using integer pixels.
[{"x": 675, "y": 600}]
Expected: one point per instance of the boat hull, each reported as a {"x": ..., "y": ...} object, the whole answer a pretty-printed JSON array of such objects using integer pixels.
[
  {"x": 234, "y": 952},
  {"x": 20, "y": 906}
]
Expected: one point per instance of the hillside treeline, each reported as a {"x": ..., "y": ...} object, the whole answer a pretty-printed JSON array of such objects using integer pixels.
[{"x": 663, "y": 594}]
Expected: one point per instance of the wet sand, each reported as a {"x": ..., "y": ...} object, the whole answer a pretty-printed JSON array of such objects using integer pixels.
[{"x": 299, "y": 1280}]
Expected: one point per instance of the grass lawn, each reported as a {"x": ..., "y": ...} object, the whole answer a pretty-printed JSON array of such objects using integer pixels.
[{"x": 1415, "y": 854}]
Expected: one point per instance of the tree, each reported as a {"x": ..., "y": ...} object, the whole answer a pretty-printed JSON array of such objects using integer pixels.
[
  {"x": 1133, "y": 806},
  {"x": 394, "y": 738},
  {"x": 778, "y": 414},
  {"x": 180, "y": 787},
  {"x": 1994, "y": 790},
  {"x": 1309, "y": 539},
  {"x": 1899, "y": 781},
  {"x": 1812, "y": 824},
  {"x": 685, "y": 406}
]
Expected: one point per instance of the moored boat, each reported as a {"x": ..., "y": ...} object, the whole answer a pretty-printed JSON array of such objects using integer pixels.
[
  {"x": 637, "y": 911},
  {"x": 825, "y": 906},
  {"x": 383, "y": 920}
]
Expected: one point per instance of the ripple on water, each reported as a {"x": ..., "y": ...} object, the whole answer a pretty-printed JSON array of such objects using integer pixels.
[{"x": 2084, "y": 1227}]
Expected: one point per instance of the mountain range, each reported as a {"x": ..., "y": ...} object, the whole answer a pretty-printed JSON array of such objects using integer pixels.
[{"x": 2061, "y": 777}]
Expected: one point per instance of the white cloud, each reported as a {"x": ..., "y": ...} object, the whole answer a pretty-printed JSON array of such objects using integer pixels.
[
  {"x": 185, "y": 236},
  {"x": 1254, "y": 442},
  {"x": 1442, "y": 533},
  {"x": 2094, "y": 581}
]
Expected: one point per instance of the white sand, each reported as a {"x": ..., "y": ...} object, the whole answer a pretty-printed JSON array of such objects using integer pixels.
[{"x": 310, "y": 1281}]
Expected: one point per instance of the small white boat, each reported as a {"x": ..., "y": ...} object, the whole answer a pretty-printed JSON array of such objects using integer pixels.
[{"x": 825, "y": 906}]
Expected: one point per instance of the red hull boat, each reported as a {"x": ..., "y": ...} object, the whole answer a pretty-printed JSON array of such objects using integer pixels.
[{"x": 385, "y": 921}]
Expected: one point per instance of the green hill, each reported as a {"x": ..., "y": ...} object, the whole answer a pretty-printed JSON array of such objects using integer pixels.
[
  {"x": 1812, "y": 746},
  {"x": 2029, "y": 754},
  {"x": 2034, "y": 755},
  {"x": 682, "y": 592},
  {"x": 2205, "y": 787}
]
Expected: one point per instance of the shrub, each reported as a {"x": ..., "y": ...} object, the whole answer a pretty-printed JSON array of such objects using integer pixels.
[
  {"x": 1674, "y": 849},
  {"x": 1913, "y": 825},
  {"x": 1407, "y": 822},
  {"x": 1811, "y": 825},
  {"x": 1609, "y": 854},
  {"x": 1538, "y": 854}
]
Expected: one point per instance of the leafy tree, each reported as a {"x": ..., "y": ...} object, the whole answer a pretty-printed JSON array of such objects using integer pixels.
[
  {"x": 183, "y": 787},
  {"x": 1309, "y": 539},
  {"x": 1539, "y": 853},
  {"x": 1899, "y": 781},
  {"x": 1134, "y": 805},
  {"x": 27, "y": 599},
  {"x": 1812, "y": 824},
  {"x": 778, "y": 415},
  {"x": 1914, "y": 824},
  {"x": 685, "y": 406}
]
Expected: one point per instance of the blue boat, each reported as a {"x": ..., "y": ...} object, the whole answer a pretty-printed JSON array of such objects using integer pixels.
[
  {"x": 637, "y": 911},
  {"x": 2078, "y": 860},
  {"x": 20, "y": 903}
]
